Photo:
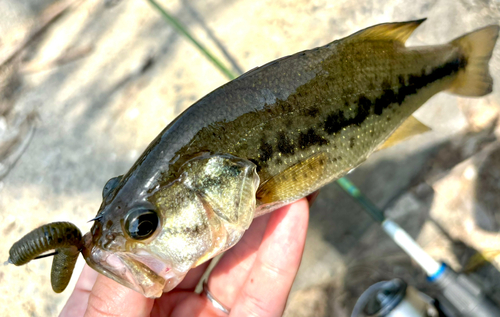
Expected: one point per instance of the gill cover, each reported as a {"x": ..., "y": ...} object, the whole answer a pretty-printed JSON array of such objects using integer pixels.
[{"x": 207, "y": 210}]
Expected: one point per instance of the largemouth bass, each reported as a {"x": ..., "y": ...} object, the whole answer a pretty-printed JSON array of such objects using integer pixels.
[{"x": 266, "y": 139}]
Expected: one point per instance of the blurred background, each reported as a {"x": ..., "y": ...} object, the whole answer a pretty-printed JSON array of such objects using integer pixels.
[{"x": 86, "y": 85}]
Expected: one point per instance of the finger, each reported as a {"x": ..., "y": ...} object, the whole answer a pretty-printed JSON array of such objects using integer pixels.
[
  {"x": 77, "y": 302},
  {"x": 267, "y": 287},
  {"x": 232, "y": 270},
  {"x": 108, "y": 298},
  {"x": 184, "y": 303}
]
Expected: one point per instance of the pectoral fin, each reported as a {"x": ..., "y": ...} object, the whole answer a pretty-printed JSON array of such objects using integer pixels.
[
  {"x": 407, "y": 129},
  {"x": 295, "y": 181}
]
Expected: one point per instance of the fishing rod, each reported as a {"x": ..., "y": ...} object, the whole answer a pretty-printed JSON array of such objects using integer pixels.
[{"x": 459, "y": 295}]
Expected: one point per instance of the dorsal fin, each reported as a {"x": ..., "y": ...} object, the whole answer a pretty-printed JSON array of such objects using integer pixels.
[{"x": 396, "y": 31}]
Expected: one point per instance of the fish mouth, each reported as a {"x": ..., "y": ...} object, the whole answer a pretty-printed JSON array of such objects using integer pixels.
[{"x": 138, "y": 270}]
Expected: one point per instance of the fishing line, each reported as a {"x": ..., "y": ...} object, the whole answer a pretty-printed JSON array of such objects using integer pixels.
[{"x": 45, "y": 255}]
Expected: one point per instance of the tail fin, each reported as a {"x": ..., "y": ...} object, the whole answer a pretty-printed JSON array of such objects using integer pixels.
[{"x": 477, "y": 47}]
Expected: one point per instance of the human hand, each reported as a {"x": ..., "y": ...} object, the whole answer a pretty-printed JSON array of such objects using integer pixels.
[{"x": 253, "y": 278}]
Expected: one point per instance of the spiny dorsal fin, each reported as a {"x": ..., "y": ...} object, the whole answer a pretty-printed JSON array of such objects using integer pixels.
[
  {"x": 397, "y": 31},
  {"x": 409, "y": 128}
]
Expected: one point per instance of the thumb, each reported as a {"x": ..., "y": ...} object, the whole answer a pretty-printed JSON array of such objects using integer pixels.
[{"x": 108, "y": 298}]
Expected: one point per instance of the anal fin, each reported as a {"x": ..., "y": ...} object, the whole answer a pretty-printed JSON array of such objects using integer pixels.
[
  {"x": 410, "y": 127},
  {"x": 295, "y": 181}
]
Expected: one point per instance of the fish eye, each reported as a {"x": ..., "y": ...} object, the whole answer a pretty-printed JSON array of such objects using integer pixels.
[{"x": 141, "y": 223}]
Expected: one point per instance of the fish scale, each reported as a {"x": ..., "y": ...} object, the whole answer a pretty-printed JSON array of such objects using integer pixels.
[{"x": 325, "y": 114}]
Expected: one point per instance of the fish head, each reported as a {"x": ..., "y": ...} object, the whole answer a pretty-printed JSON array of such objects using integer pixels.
[{"x": 150, "y": 242}]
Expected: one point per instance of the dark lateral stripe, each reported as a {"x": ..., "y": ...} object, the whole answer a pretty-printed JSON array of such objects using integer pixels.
[
  {"x": 336, "y": 121},
  {"x": 310, "y": 138},
  {"x": 285, "y": 144},
  {"x": 266, "y": 151}
]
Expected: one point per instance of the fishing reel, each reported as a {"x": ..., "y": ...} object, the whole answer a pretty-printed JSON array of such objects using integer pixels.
[
  {"x": 459, "y": 296},
  {"x": 394, "y": 298}
]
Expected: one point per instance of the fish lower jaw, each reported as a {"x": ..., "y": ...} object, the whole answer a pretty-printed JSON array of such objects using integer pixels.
[
  {"x": 173, "y": 279},
  {"x": 167, "y": 271}
]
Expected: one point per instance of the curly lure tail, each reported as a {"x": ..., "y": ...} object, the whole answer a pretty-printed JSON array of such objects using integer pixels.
[{"x": 64, "y": 237}]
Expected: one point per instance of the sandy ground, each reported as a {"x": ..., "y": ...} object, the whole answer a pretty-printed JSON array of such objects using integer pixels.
[{"x": 82, "y": 96}]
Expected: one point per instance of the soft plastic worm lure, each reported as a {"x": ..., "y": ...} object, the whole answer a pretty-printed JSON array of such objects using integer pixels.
[{"x": 64, "y": 237}]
